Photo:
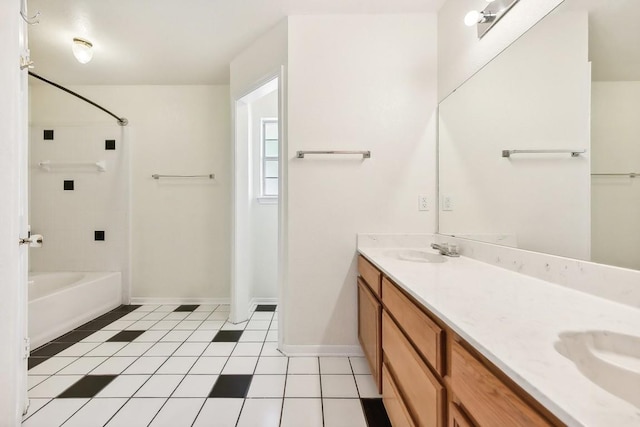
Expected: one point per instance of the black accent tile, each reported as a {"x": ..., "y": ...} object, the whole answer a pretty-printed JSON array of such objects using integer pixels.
[
  {"x": 68, "y": 185},
  {"x": 98, "y": 235},
  {"x": 125, "y": 336},
  {"x": 74, "y": 336},
  {"x": 35, "y": 361},
  {"x": 375, "y": 413},
  {"x": 229, "y": 386},
  {"x": 95, "y": 325},
  {"x": 87, "y": 386},
  {"x": 51, "y": 349},
  {"x": 126, "y": 308},
  {"x": 110, "y": 144},
  {"x": 47, "y": 135},
  {"x": 263, "y": 307},
  {"x": 227, "y": 336},
  {"x": 187, "y": 308}
]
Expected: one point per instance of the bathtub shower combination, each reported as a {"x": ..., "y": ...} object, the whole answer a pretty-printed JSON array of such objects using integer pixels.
[{"x": 60, "y": 302}]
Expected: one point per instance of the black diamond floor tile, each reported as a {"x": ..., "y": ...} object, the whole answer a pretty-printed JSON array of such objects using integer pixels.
[
  {"x": 35, "y": 361},
  {"x": 230, "y": 386},
  {"x": 264, "y": 307},
  {"x": 74, "y": 336},
  {"x": 227, "y": 336},
  {"x": 125, "y": 336},
  {"x": 87, "y": 386},
  {"x": 126, "y": 308},
  {"x": 51, "y": 349},
  {"x": 95, "y": 325},
  {"x": 187, "y": 308},
  {"x": 375, "y": 413}
]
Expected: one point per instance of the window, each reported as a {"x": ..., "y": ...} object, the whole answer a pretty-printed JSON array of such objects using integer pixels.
[{"x": 270, "y": 149}]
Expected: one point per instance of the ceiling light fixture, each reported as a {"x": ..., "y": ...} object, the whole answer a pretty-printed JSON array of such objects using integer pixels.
[
  {"x": 491, "y": 14},
  {"x": 82, "y": 50}
]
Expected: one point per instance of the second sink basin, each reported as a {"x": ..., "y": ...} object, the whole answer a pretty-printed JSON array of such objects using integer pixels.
[{"x": 414, "y": 255}]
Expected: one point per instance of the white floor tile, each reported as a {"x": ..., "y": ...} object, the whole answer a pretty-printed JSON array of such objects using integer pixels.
[
  {"x": 99, "y": 336},
  {"x": 150, "y": 336},
  {"x": 339, "y": 386},
  {"x": 134, "y": 315},
  {"x": 165, "y": 325},
  {"x": 270, "y": 349},
  {"x": 51, "y": 365},
  {"x": 53, "y": 386},
  {"x": 34, "y": 380},
  {"x": 54, "y": 413},
  {"x": 272, "y": 336},
  {"x": 224, "y": 308},
  {"x": 360, "y": 366},
  {"x": 159, "y": 386},
  {"x": 188, "y": 325},
  {"x": 219, "y": 413},
  {"x": 195, "y": 386},
  {"x": 113, "y": 366},
  {"x": 82, "y": 366},
  {"x": 228, "y": 326},
  {"x": 303, "y": 365},
  {"x": 247, "y": 349},
  {"x": 302, "y": 386},
  {"x": 177, "y": 315},
  {"x": 208, "y": 365},
  {"x": 134, "y": 349},
  {"x": 211, "y": 325},
  {"x": 107, "y": 349},
  {"x": 163, "y": 349},
  {"x": 118, "y": 325},
  {"x": 219, "y": 315},
  {"x": 196, "y": 315},
  {"x": 165, "y": 307},
  {"x": 343, "y": 413},
  {"x": 145, "y": 365},
  {"x": 267, "y": 386},
  {"x": 335, "y": 365},
  {"x": 95, "y": 413},
  {"x": 302, "y": 413},
  {"x": 206, "y": 307},
  {"x": 219, "y": 349},
  {"x": 137, "y": 413},
  {"x": 178, "y": 413},
  {"x": 260, "y": 325},
  {"x": 34, "y": 406},
  {"x": 147, "y": 307},
  {"x": 191, "y": 349},
  {"x": 367, "y": 387},
  {"x": 156, "y": 315},
  {"x": 260, "y": 413},
  {"x": 240, "y": 366},
  {"x": 253, "y": 336},
  {"x": 271, "y": 365},
  {"x": 262, "y": 315},
  {"x": 123, "y": 386},
  {"x": 78, "y": 349},
  {"x": 202, "y": 336},
  {"x": 176, "y": 336},
  {"x": 177, "y": 365},
  {"x": 141, "y": 325}
]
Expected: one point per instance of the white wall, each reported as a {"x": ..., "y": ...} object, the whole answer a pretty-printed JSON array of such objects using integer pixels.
[
  {"x": 461, "y": 53},
  {"x": 535, "y": 95},
  {"x": 615, "y": 201},
  {"x": 355, "y": 83},
  {"x": 180, "y": 236},
  {"x": 263, "y": 216}
]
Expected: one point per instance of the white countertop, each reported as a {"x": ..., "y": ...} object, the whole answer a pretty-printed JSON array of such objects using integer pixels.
[{"x": 514, "y": 321}]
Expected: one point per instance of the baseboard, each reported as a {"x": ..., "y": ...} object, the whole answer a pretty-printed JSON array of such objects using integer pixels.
[
  {"x": 258, "y": 301},
  {"x": 322, "y": 350},
  {"x": 173, "y": 301}
]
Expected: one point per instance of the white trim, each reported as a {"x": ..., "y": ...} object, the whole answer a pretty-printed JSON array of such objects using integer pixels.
[
  {"x": 174, "y": 301},
  {"x": 322, "y": 350},
  {"x": 258, "y": 301}
]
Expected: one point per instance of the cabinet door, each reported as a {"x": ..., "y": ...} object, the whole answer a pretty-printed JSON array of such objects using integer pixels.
[
  {"x": 456, "y": 418},
  {"x": 369, "y": 330}
]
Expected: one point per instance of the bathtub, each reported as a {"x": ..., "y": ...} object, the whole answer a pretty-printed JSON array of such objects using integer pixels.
[{"x": 60, "y": 302}]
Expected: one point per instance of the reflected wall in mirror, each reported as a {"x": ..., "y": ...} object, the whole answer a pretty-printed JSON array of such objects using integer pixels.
[{"x": 572, "y": 82}]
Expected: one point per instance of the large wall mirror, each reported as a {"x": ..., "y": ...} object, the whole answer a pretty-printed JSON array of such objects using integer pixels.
[{"x": 567, "y": 93}]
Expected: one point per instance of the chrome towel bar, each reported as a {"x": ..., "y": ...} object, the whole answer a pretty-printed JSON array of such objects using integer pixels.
[
  {"x": 630, "y": 174},
  {"x": 574, "y": 153},
  {"x": 365, "y": 154},
  {"x": 208, "y": 176}
]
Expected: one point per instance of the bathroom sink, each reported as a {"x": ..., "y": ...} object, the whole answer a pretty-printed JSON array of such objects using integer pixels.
[
  {"x": 609, "y": 359},
  {"x": 414, "y": 255}
]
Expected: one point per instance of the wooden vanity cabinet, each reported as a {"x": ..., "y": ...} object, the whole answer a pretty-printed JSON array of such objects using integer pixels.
[{"x": 370, "y": 317}]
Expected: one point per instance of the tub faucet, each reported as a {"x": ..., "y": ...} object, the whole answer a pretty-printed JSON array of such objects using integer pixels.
[{"x": 446, "y": 249}]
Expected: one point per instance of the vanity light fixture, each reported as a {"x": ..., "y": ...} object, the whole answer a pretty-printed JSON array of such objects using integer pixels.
[
  {"x": 82, "y": 50},
  {"x": 486, "y": 19}
]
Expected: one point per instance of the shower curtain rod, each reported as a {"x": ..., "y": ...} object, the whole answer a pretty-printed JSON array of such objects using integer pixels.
[{"x": 121, "y": 120}]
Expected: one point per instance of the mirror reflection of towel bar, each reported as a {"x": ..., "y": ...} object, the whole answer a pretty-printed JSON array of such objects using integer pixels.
[
  {"x": 574, "y": 153},
  {"x": 47, "y": 165},
  {"x": 209, "y": 176},
  {"x": 365, "y": 154}
]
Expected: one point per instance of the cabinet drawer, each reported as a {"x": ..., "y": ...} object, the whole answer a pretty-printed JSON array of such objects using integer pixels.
[
  {"x": 426, "y": 335},
  {"x": 485, "y": 397},
  {"x": 419, "y": 388},
  {"x": 370, "y": 274},
  {"x": 369, "y": 330},
  {"x": 397, "y": 412}
]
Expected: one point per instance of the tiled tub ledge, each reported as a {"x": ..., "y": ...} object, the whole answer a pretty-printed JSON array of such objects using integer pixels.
[{"x": 515, "y": 321}]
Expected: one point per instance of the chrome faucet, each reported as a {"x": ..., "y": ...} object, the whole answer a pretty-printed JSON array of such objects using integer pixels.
[{"x": 446, "y": 249}]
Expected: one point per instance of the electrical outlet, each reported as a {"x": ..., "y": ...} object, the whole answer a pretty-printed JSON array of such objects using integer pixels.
[
  {"x": 423, "y": 203},
  {"x": 447, "y": 203}
]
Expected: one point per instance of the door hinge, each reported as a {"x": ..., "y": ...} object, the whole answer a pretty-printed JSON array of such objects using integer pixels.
[{"x": 27, "y": 348}]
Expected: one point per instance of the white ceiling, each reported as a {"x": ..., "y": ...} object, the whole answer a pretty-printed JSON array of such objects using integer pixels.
[{"x": 170, "y": 41}]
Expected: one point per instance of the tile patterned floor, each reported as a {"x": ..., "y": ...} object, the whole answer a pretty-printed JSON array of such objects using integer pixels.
[{"x": 186, "y": 365}]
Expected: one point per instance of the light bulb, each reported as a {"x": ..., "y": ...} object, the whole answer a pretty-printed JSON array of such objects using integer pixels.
[
  {"x": 82, "y": 50},
  {"x": 472, "y": 18}
]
